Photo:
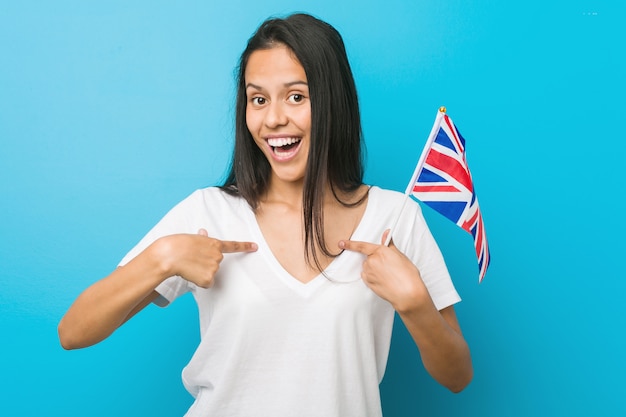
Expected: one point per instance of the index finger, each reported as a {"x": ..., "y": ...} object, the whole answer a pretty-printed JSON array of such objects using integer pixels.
[
  {"x": 365, "y": 248},
  {"x": 232, "y": 246}
]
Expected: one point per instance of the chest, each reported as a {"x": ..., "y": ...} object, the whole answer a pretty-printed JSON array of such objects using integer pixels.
[
  {"x": 283, "y": 231},
  {"x": 256, "y": 290}
]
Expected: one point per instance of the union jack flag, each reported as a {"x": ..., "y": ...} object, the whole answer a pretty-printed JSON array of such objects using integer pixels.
[{"x": 442, "y": 180}]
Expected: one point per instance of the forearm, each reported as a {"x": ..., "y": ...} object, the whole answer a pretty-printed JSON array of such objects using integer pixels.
[
  {"x": 105, "y": 305},
  {"x": 445, "y": 353}
]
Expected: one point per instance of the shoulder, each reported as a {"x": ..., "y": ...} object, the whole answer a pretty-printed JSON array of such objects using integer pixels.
[
  {"x": 386, "y": 199},
  {"x": 399, "y": 212},
  {"x": 208, "y": 202},
  {"x": 214, "y": 196},
  {"x": 384, "y": 194}
]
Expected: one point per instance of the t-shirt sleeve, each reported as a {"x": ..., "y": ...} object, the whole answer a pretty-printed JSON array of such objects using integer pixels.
[
  {"x": 417, "y": 242},
  {"x": 180, "y": 219}
]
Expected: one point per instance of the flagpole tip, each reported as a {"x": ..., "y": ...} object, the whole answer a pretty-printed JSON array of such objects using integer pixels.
[{"x": 442, "y": 109}]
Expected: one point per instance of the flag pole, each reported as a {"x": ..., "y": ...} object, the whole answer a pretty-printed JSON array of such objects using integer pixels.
[{"x": 418, "y": 169}]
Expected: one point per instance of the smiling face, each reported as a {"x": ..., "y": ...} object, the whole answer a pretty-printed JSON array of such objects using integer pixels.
[{"x": 278, "y": 111}]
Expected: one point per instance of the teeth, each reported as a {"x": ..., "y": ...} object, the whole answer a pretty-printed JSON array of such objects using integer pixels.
[{"x": 278, "y": 142}]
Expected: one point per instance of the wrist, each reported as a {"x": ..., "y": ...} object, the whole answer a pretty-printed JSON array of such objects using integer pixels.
[
  {"x": 414, "y": 301},
  {"x": 159, "y": 256}
]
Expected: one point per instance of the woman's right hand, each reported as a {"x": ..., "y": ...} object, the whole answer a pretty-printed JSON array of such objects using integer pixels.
[
  {"x": 197, "y": 257},
  {"x": 110, "y": 302}
]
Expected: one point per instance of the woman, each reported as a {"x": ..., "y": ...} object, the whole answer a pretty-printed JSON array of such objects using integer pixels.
[{"x": 295, "y": 290}]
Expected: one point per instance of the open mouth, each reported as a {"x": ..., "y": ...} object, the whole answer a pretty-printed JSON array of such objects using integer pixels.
[{"x": 284, "y": 146}]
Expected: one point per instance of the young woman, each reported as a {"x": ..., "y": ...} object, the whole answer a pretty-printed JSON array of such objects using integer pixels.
[{"x": 295, "y": 289}]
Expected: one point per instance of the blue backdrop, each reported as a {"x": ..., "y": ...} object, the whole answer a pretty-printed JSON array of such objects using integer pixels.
[{"x": 112, "y": 112}]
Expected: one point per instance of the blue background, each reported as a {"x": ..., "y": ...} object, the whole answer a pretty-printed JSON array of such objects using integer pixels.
[{"x": 112, "y": 112}]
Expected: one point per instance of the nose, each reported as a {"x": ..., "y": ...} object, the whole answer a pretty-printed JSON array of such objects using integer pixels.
[{"x": 275, "y": 115}]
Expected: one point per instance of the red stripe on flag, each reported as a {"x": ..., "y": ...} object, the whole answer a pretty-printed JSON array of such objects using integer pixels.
[
  {"x": 478, "y": 242},
  {"x": 467, "y": 224},
  {"x": 450, "y": 166},
  {"x": 459, "y": 145},
  {"x": 420, "y": 188}
]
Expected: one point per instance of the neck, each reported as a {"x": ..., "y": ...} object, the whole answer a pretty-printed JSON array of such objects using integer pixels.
[{"x": 289, "y": 193}]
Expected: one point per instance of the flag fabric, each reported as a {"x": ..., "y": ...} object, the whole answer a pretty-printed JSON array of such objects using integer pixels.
[{"x": 442, "y": 181}]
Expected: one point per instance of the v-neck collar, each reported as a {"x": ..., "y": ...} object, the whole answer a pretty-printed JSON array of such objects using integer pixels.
[{"x": 305, "y": 289}]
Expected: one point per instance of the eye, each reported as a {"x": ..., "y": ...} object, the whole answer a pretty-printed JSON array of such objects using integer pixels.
[
  {"x": 296, "y": 98},
  {"x": 258, "y": 101}
]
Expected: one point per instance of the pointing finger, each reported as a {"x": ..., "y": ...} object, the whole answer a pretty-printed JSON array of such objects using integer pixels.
[
  {"x": 365, "y": 248},
  {"x": 203, "y": 232},
  {"x": 230, "y": 246}
]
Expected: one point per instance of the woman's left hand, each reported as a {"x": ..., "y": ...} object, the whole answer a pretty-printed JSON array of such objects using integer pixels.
[
  {"x": 390, "y": 274},
  {"x": 437, "y": 334}
]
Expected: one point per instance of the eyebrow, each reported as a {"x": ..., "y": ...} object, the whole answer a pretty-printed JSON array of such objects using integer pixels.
[{"x": 289, "y": 84}]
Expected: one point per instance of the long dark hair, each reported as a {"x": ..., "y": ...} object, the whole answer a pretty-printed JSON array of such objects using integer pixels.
[{"x": 335, "y": 155}]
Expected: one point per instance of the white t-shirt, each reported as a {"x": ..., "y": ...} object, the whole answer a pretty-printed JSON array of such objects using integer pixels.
[{"x": 274, "y": 346}]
